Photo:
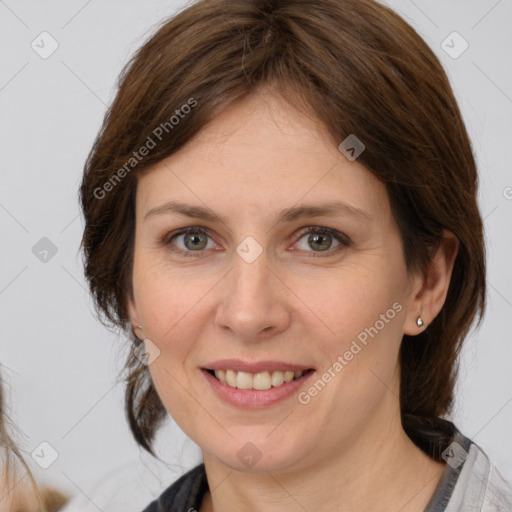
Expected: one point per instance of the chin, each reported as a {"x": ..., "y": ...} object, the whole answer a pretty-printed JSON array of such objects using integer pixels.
[{"x": 258, "y": 456}]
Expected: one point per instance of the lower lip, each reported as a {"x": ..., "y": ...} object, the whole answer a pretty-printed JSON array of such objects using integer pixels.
[{"x": 255, "y": 399}]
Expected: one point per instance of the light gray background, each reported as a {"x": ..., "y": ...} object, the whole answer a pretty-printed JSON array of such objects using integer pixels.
[{"x": 60, "y": 364}]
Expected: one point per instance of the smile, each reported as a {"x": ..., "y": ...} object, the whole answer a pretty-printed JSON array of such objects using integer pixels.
[
  {"x": 258, "y": 389},
  {"x": 256, "y": 381}
]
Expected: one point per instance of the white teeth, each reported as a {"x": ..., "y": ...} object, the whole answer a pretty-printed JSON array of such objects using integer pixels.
[
  {"x": 243, "y": 380},
  {"x": 277, "y": 378},
  {"x": 262, "y": 381},
  {"x": 259, "y": 381},
  {"x": 288, "y": 376},
  {"x": 230, "y": 378}
]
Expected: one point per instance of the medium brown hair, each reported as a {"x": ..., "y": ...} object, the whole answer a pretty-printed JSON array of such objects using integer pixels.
[{"x": 358, "y": 68}]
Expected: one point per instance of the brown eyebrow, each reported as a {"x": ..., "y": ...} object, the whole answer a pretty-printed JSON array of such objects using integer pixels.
[{"x": 287, "y": 215}]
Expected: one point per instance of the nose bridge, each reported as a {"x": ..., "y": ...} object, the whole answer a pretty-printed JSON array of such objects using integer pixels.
[
  {"x": 252, "y": 300},
  {"x": 250, "y": 276}
]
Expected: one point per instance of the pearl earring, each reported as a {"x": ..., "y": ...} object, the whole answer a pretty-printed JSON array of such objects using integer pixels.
[
  {"x": 135, "y": 328},
  {"x": 419, "y": 321}
]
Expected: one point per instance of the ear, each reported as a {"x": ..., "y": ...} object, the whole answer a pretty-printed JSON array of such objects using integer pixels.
[{"x": 431, "y": 287}]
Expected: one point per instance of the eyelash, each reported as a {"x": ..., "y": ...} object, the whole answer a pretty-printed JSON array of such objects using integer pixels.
[{"x": 340, "y": 237}]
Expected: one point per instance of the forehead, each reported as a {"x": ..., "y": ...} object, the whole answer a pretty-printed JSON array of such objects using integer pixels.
[{"x": 260, "y": 155}]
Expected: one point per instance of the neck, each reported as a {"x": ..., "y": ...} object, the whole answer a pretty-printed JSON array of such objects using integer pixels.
[{"x": 381, "y": 470}]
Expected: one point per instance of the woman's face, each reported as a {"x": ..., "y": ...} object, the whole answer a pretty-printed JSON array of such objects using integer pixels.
[{"x": 252, "y": 286}]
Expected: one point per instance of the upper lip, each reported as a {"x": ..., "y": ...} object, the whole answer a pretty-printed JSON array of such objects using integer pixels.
[{"x": 255, "y": 367}]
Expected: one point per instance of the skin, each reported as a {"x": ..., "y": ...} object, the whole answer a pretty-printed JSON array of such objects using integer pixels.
[{"x": 345, "y": 450}]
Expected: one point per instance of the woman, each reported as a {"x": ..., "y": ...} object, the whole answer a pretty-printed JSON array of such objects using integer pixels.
[{"x": 281, "y": 205}]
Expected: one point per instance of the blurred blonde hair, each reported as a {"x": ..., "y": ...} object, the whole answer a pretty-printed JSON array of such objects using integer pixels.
[{"x": 18, "y": 488}]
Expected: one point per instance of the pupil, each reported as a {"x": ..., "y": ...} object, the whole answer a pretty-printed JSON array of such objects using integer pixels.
[
  {"x": 196, "y": 242},
  {"x": 316, "y": 238}
]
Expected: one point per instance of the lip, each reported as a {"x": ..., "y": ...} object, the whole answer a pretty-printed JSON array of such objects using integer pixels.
[
  {"x": 255, "y": 399},
  {"x": 255, "y": 367}
]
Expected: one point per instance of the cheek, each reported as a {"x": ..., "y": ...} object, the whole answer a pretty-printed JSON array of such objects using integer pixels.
[
  {"x": 171, "y": 304},
  {"x": 168, "y": 300},
  {"x": 355, "y": 299},
  {"x": 364, "y": 308}
]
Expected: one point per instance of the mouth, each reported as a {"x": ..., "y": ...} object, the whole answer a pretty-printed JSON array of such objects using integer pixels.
[
  {"x": 259, "y": 381},
  {"x": 256, "y": 384}
]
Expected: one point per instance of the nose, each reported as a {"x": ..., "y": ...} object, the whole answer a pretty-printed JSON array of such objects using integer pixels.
[{"x": 253, "y": 303}]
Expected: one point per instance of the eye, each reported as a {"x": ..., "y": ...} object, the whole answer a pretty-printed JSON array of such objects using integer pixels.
[
  {"x": 321, "y": 239},
  {"x": 189, "y": 240}
]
